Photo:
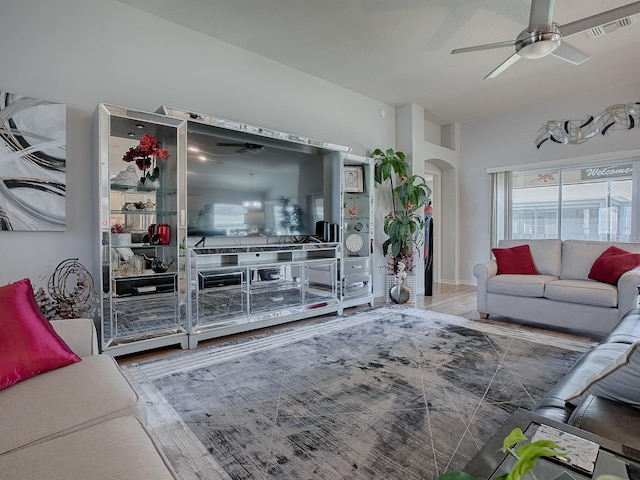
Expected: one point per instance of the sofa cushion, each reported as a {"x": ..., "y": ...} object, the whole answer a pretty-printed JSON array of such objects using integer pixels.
[
  {"x": 519, "y": 285},
  {"x": 584, "y": 292},
  {"x": 28, "y": 343},
  {"x": 515, "y": 260},
  {"x": 619, "y": 380},
  {"x": 64, "y": 400},
  {"x": 613, "y": 262},
  {"x": 116, "y": 449},
  {"x": 609, "y": 419},
  {"x": 545, "y": 253},
  {"x": 579, "y": 255}
]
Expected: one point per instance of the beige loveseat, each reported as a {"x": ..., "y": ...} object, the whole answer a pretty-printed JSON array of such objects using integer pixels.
[
  {"x": 81, "y": 421},
  {"x": 561, "y": 295}
]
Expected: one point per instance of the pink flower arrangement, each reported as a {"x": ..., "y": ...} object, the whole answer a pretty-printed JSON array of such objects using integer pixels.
[
  {"x": 144, "y": 153},
  {"x": 406, "y": 258},
  {"x": 121, "y": 228}
]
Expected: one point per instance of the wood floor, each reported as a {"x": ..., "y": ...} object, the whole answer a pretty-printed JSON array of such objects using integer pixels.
[
  {"x": 457, "y": 300},
  {"x": 452, "y": 299}
]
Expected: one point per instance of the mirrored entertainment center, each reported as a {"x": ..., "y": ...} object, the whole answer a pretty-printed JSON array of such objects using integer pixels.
[{"x": 241, "y": 227}]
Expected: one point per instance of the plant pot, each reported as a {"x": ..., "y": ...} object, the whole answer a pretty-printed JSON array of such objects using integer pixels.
[
  {"x": 120, "y": 239},
  {"x": 400, "y": 293}
]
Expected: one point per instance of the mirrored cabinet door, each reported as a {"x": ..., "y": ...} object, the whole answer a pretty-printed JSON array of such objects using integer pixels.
[
  {"x": 142, "y": 224},
  {"x": 357, "y": 215}
]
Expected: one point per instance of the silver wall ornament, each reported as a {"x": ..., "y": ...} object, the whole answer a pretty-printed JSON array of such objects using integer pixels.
[
  {"x": 616, "y": 117},
  {"x": 33, "y": 153}
]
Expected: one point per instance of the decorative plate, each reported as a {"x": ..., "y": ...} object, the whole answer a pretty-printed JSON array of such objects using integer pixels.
[{"x": 353, "y": 243}]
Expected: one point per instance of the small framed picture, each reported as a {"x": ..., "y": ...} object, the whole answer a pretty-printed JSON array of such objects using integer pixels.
[{"x": 353, "y": 178}]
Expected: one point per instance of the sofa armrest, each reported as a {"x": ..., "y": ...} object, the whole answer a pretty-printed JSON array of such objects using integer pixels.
[
  {"x": 483, "y": 272},
  {"x": 627, "y": 291},
  {"x": 79, "y": 334}
]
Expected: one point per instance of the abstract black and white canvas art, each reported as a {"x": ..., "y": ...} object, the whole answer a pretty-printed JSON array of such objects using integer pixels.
[{"x": 33, "y": 155}]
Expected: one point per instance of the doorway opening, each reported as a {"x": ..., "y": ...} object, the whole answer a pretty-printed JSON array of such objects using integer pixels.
[{"x": 431, "y": 236}]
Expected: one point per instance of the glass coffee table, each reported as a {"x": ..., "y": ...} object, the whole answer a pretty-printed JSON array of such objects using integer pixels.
[{"x": 588, "y": 455}]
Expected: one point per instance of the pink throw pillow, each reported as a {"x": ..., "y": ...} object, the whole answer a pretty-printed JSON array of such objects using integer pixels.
[
  {"x": 515, "y": 260},
  {"x": 612, "y": 263},
  {"x": 28, "y": 343}
]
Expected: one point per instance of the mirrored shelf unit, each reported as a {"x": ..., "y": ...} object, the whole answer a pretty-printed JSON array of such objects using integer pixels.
[
  {"x": 240, "y": 227},
  {"x": 356, "y": 215},
  {"x": 142, "y": 294}
]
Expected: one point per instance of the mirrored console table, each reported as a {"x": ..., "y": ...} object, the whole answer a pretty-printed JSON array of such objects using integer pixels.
[{"x": 235, "y": 289}]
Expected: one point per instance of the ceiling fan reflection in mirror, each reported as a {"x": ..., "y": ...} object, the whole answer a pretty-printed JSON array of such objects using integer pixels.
[
  {"x": 544, "y": 37},
  {"x": 244, "y": 147}
]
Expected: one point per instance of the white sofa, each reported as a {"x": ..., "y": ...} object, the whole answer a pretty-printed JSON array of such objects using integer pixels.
[
  {"x": 562, "y": 295},
  {"x": 81, "y": 421}
]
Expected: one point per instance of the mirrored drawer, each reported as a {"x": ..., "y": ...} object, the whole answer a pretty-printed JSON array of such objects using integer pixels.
[
  {"x": 355, "y": 266},
  {"x": 356, "y": 285},
  {"x": 283, "y": 296}
]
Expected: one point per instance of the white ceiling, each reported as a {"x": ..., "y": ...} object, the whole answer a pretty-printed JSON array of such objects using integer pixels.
[{"x": 398, "y": 51}]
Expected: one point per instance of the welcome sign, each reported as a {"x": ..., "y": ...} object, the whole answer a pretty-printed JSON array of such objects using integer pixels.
[{"x": 606, "y": 172}]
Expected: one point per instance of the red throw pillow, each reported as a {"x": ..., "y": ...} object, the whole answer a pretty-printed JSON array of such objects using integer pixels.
[
  {"x": 515, "y": 260},
  {"x": 28, "y": 343},
  {"x": 613, "y": 262}
]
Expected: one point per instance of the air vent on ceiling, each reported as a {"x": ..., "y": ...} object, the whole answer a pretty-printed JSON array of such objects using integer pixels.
[{"x": 611, "y": 27}]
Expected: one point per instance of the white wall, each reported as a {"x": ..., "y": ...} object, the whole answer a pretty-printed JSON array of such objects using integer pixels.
[
  {"x": 510, "y": 140},
  {"x": 83, "y": 52},
  {"x": 415, "y": 137}
]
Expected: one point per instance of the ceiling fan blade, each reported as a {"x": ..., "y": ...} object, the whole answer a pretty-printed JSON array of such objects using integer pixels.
[
  {"x": 570, "y": 54},
  {"x": 599, "y": 19},
  {"x": 503, "y": 66},
  {"x": 223, "y": 144},
  {"x": 487, "y": 46},
  {"x": 541, "y": 15}
]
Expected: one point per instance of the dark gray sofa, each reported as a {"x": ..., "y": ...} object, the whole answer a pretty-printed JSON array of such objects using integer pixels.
[{"x": 607, "y": 418}]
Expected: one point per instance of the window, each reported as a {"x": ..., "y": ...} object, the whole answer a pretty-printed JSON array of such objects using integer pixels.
[
  {"x": 229, "y": 218},
  {"x": 589, "y": 203},
  {"x": 534, "y": 211}
]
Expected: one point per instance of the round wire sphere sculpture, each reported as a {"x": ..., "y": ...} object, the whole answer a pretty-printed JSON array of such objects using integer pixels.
[{"x": 72, "y": 283}]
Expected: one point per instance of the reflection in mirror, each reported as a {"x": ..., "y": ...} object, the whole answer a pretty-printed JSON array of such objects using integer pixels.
[{"x": 237, "y": 188}]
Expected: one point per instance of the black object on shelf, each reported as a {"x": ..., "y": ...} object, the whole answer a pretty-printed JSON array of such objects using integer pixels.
[{"x": 146, "y": 284}]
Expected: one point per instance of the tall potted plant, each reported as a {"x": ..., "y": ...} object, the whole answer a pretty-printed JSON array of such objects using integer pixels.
[{"x": 405, "y": 223}]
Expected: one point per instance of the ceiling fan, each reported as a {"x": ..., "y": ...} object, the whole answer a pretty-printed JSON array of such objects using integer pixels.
[
  {"x": 244, "y": 147},
  {"x": 544, "y": 37}
]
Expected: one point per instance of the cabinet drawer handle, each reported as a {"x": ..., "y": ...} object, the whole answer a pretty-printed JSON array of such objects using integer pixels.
[
  {"x": 355, "y": 267},
  {"x": 277, "y": 299}
]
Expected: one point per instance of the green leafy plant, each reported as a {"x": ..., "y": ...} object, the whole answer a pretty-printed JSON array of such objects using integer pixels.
[
  {"x": 292, "y": 216},
  {"x": 405, "y": 223},
  {"x": 526, "y": 456}
]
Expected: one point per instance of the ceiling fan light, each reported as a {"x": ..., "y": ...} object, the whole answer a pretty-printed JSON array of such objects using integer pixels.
[
  {"x": 538, "y": 49},
  {"x": 533, "y": 45},
  {"x": 253, "y": 148}
]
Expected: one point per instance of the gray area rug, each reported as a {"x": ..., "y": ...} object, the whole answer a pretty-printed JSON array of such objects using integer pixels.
[{"x": 393, "y": 392}]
